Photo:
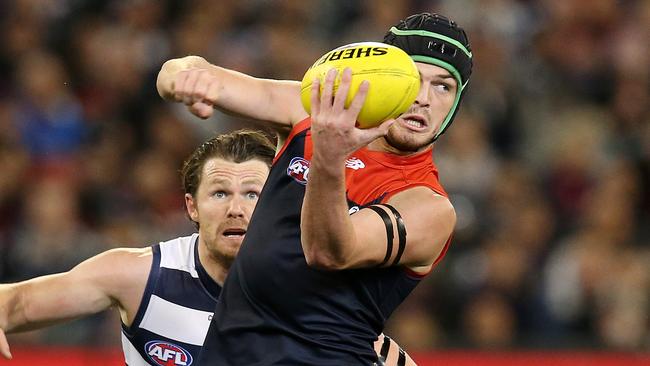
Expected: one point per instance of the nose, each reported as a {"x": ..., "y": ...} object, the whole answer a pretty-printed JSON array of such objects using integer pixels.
[
  {"x": 423, "y": 96},
  {"x": 236, "y": 208}
]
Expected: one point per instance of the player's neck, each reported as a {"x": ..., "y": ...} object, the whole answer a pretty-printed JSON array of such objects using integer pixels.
[
  {"x": 381, "y": 144},
  {"x": 215, "y": 269}
]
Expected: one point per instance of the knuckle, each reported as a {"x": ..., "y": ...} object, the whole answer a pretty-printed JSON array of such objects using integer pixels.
[{"x": 197, "y": 94}]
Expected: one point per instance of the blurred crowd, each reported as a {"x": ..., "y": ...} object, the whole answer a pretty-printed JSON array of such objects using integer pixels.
[{"x": 548, "y": 163}]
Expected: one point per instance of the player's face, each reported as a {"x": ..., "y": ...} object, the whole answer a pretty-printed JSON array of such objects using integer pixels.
[
  {"x": 415, "y": 129},
  {"x": 223, "y": 204}
]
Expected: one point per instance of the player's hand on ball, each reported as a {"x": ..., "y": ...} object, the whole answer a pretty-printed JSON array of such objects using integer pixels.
[
  {"x": 334, "y": 130},
  {"x": 197, "y": 89}
]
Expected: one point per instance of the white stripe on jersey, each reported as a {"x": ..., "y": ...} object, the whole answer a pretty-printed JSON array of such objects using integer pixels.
[
  {"x": 176, "y": 256},
  {"x": 131, "y": 355},
  {"x": 178, "y": 306},
  {"x": 176, "y": 322}
]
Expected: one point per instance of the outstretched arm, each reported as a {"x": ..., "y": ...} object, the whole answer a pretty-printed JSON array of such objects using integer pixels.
[
  {"x": 202, "y": 87},
  {"x": 116, "y": 277}
]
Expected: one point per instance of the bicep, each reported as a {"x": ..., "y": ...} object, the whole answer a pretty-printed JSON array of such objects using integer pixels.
[
  {"x": 55, "y": 298},
  {"x": 92, "y": 286},
  {"x": 60, "y": 297},
  {"x": 285, "y": 101},
  {"x": 427, "y": 222}
]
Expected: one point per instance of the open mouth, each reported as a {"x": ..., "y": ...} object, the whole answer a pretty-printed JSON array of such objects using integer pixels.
[
  {"x": 234, "y": 233},
  {"x": 414, "y": 121}
]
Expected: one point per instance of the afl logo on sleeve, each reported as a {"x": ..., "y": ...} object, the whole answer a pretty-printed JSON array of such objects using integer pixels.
[
  {"x": 167, "y": 354},
  {"x": 299, "y": 170}
]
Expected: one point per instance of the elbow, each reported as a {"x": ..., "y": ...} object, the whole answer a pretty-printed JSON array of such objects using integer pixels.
[
  {"x": 322, "y": 260},
  {"x": 11, "y": 306},
  {"x": 328, "y": 253}
]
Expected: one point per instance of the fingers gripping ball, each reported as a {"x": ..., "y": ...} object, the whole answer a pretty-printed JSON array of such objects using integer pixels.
[{"x": 394, "y": 79}]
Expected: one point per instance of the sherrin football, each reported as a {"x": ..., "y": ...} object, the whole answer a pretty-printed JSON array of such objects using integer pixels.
[{"x": 394, "y": 79}]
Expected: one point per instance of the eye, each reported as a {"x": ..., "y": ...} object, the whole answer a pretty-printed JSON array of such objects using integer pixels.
[
  {"x": 442, "y": 87},
  {"x": 219, "y": 194},
  {"x": 252, "y": 195}
]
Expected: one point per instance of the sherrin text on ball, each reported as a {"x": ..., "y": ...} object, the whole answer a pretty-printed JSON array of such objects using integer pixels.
[{"x": 394, "y": 79}]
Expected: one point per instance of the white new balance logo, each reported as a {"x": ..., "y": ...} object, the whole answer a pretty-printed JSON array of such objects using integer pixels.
[{"x": 354, "y": 163}]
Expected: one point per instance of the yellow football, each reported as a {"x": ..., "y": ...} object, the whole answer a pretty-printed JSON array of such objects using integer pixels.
[{"x": 394, "y": 79}]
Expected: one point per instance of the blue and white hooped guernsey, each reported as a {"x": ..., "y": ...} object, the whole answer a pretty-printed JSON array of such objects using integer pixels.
[{"x": 177, "y": 306}]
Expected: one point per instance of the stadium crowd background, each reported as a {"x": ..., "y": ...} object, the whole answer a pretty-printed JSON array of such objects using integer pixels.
[{"x": 548, "y": 165}]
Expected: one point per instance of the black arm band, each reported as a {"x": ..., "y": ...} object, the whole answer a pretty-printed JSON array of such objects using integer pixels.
[
  {"x": 401, "y": 360},
  {"x": 401, "y": 231},
  {"x": 385, "y": 347},
  {"x": 389, "y": 232}
]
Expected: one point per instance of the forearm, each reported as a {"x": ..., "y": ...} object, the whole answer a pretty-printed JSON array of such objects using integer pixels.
[
  {"x": 266, "y": 100},
  {"x": 328, "y": 237},
  {"x": 16, "y": 314},
  {"x": 230, "y": 91},
  {"x": 47, "y": 300}
]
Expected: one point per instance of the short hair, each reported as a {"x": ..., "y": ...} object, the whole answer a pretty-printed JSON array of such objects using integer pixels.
[{"x": 238, "y": 147}]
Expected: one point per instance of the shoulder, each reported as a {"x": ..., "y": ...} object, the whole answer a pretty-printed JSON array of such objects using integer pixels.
[
  {"x": 122, "y": 275},
  {"x": 125, "y": 257},
  {"x": 117, "y": 265},
  {"x": 426, "y": 201}
]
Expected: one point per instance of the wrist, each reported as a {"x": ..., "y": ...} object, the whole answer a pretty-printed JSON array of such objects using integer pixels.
[
  {"x": 331, "y": 165},
  {"x": 5, "y": 306}
]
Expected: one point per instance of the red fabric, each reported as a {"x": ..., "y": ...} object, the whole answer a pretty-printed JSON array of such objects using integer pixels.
[
  {"x": 531, "y": 358},
  {"x": 379, "y": 176},
  {"x": 64, "y": 356},
  {"x": 52, "y": 356}
]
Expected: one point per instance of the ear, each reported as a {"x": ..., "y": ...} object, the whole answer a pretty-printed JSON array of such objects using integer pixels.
[{"x": 191, "y": 207}]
